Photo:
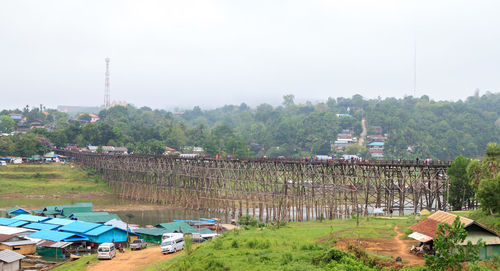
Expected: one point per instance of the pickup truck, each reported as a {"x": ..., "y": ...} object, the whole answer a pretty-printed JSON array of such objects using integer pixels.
[{"x": 138, "y": 244}]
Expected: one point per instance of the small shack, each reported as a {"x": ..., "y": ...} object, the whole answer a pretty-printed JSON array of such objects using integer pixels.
[
  {"x": 15, "y": 211},
  {"x": 424, "y": 231},
  {"x": 25, "y": 247},
  {"x": 10, "y": 260},
  {"x": 51, "y": 250}
]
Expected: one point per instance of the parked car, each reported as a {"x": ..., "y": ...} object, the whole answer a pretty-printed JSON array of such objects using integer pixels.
[
  {"x": 106, "y": 251},
  {"x": 3, "y": 163},
  {"x": 138, "y": 244}
]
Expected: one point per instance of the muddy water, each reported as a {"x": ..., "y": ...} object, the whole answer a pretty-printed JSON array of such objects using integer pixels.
[{"x": 132, "y": 211}]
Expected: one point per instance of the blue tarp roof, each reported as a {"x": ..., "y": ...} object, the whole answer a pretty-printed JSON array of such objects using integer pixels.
[
  {"x": 40, "y": 226},
  {"x": 6, "y": 221},
  {"x": 59, "y": 221},
  {"x": 376, "y": 144},
  {"x": 57, "y": 236},
  {"x": 32, "y": 218},
  {"x": 79, "y": 227}
]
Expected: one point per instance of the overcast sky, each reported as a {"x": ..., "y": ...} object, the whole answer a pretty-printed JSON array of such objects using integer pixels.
[{"x": 167, "y": 54}]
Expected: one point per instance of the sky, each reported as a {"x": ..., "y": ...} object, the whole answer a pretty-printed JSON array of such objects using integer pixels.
[{"x": 179, "y": 54}]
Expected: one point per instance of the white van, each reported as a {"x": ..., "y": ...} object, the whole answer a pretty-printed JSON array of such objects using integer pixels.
[
  {"x": 172, "y": 245},
  {"x": 168, "y": 235},
  {"x": 3, "y": 163},
  {"x": 106, "y": 251}
]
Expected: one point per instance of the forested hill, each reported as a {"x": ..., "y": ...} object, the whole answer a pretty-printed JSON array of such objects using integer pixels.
[
  {"x": 429, "y": 129},
  {"x": 437, "y": 129}
]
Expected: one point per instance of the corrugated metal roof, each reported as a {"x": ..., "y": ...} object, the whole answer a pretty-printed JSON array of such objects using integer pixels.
[
  {"x": 41, "y": 226},
  {"x": 10, "y": 256},
  {"x": 32, "y": 218},
  {"x": 18, "y": 243},
  {"x": 18, "y": 223},
  {"x": 56, "y": 236},
  {"x": 88, "y": 214},
  {"x": 79, "y": 227},
  {"x": 104, "y": 228},
  {"x": 59, "y": 221},
  {"x": 4, "y": 237},
  {"x": 53, "y": 244},
  {"x": 67, "y": 211},
  {"x": 6, "y": 221},
  {"x": 420, "y": 237},
  {"x": 120, "y": 224},
  {"x": 152, "y": 231},
  {"x": 176, "y": 227},
  {"x": 13, "y": 230},
  {"x": 100, "y": 230}
]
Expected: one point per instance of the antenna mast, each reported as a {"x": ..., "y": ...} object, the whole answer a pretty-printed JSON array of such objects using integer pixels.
[
  {"x": 415, "y": 70},
  {"x": 107, "y": 102}
]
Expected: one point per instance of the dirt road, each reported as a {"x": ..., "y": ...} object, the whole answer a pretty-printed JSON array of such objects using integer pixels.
[
  {"x": 362, "y": 136},
  {"x": 132, "y": 260},
  {"x": 403, "y": 250}
]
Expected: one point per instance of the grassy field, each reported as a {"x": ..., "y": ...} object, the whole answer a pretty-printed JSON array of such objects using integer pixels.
[
  {"x": 79, "y": 265},
  {"x": 293, "y": 247},
  {"x": 53, "y": 179}
]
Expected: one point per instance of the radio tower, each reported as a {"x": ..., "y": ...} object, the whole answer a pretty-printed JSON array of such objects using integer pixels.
[{"x": 107, "y": 102}]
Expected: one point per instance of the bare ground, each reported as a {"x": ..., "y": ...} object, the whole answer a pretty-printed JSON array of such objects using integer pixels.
[
  {"x": 394, "y": 248},
  {"x": 132, "y": 260}
]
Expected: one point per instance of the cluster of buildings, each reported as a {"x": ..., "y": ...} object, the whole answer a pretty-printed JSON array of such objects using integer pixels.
[
  {"x": 376, "y": 142},
  {"x": 344, "y": 139},
  {"x": 57, "y": 232}
]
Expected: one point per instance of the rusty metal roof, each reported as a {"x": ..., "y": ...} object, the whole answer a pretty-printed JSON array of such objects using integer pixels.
[{"x": 429, "y": 225}]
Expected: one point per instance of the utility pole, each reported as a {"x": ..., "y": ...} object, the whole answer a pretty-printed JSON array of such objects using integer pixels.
[{"x": 107, "y": 102}]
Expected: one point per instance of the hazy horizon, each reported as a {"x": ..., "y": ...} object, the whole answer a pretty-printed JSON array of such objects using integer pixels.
[{"x": 170, "y": 54}]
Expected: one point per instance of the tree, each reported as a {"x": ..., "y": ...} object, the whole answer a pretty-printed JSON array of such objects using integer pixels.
[
  {"x": 7, "y": 124},
  {"x": 6, "y": 146},
  {"x": 288, "y": 100},
  {"x": 460, "y": 189},
  {"x": 488, "y": 195},
  {"x": 449, "y": 249}
]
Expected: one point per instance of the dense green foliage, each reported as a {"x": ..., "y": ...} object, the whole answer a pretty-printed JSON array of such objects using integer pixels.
[
  {"x": 461, "y": 192},
  {"x": 433, "y": 129},
  {"x": 449, "y": 253},
  {"x": 23, "y": 145}
]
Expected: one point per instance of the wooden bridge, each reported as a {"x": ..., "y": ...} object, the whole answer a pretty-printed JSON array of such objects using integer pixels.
[{"x": 274, "y": 189}]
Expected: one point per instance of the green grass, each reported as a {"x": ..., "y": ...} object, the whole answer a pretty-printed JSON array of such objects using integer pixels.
[
  {"x": 78, "y": 265},
  {"x": 53, "y": 179},
  {"x": 289, "y": 248}
]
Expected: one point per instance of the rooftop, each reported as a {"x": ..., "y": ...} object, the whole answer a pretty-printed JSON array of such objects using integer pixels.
[
  {"x": 10, "y": 256},
  {"x": 79, "y": 227},
  {"x": 32, "y": 218}
]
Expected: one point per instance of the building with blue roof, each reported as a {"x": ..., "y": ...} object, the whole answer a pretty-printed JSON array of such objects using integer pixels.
[
  {"x": 57, "y": 236},
  {"x": 108, "y": 234},
  {"x": 79, "y": 227},
  {"x": 378, "y": 144},
  {"x": 32, "y": 218},
  {"x": 41, "y": 226}
]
